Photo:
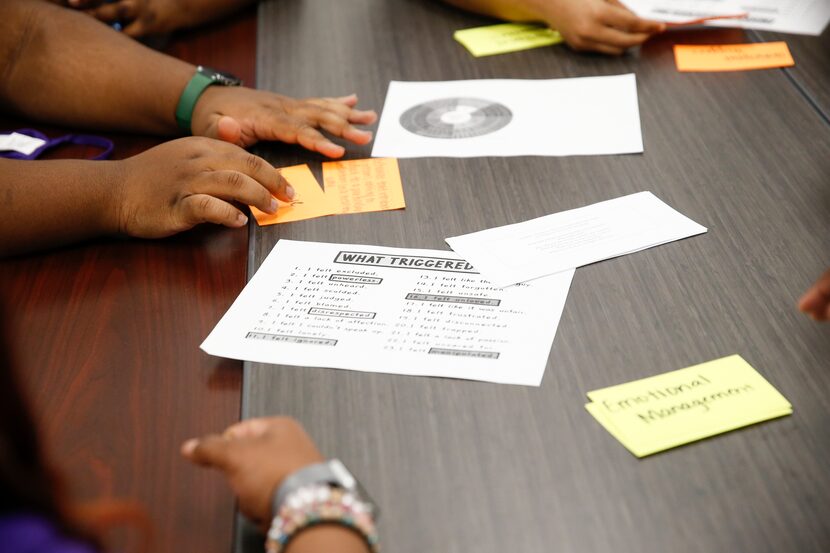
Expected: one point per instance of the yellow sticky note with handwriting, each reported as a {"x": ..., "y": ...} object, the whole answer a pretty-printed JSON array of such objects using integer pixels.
[
  {"x": 309, "y": 200},
  {"x": 678, "y": 407},
  {"x": 362, "y": 185},
  {"x": 732, "y": 57},
  {"x": 506, "y": 37}
]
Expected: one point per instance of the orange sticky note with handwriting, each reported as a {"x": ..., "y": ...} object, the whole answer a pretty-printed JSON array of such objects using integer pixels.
[
  {"x": 362, "y": 185},
  {"x": 309, "y": 200},
  {"x": 732, "y": 57}
]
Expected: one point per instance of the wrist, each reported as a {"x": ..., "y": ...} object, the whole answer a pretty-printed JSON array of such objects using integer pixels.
[
  {"x": 203, "y": 81},
  {"x": 204, "y": 109},
  {"x": 327, "y": 537},
  {"x": 321, "y": 494},
  {"x": 316, "y": 506},
  {"x": 112, "y": 181}
]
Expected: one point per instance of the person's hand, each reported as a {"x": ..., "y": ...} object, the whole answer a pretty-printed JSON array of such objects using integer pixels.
[
  {"x": 598, "y": 25},
  {"x": 816, "y": 302},
  {"x": 179, "y": 184},
  {"x": 245, "y": 116},
  {"x": 138, "y": 17},
  {"x": 256, "y": 455}
]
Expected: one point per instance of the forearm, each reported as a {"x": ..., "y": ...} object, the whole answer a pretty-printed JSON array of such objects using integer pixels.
[
  {"x": 51, "y": 203},
  {"x": 64, "y": 67},
  {"x": 512, "y": 10}
]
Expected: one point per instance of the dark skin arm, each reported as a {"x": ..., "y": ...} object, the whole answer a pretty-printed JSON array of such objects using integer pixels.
[
  {"x": 165, "y": 190},
  {"x": 63, "y": 67},
  {"x": 60, "y": 66},
  {"x": 149, "y": 17}
]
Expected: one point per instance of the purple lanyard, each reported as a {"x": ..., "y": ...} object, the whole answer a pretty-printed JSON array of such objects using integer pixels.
[{"x": 80, "y": 139}]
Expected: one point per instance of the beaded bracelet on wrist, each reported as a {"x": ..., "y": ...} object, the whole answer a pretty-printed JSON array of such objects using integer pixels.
[{"x": 320, "y": 504}]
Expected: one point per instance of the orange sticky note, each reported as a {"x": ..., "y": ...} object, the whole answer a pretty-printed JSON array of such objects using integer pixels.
[
  {"x": 309, "y": 200},
  {"x": 733, "y": 57},
  {"x": 362, "y": 185}
]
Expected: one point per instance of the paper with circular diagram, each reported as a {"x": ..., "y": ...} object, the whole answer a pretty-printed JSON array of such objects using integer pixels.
[
  {"x": 502, "y": 117},
  {"x": 455, "y": 118}
]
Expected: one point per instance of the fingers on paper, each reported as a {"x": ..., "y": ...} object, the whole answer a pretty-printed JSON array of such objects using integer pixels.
[
  {"x": 620, "y": 17},
  {"x": 251, "y": 180},
  {"x": 619, "y": 39},
  {"x": 234, "y": 186},
  {"x": 612, "y": 30},
  {"x": 204, "y": 208}
]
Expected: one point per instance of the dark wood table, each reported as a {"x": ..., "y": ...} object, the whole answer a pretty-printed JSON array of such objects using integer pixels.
[
  {"x": 106, "y": 336},
  {"x": 462, "y": 466},
  {"x": 812, "y": 60}
]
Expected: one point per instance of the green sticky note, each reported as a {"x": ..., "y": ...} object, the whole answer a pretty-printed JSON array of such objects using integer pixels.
[
  {"x": 506, "y": 37},
  {"x": 679, "y": 407}
]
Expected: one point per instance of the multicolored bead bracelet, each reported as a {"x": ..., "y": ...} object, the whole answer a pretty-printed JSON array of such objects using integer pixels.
[{"x": 320, "y": 504}]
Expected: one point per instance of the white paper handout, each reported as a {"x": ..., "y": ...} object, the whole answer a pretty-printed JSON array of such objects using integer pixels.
[
  {"x": 390, "y": 310},
  {"x": 498, "y": 117},
  {"x": 569, "y": 239},
  {"x": 684, "y": 11},
  {"x": 807, "y": 17}
]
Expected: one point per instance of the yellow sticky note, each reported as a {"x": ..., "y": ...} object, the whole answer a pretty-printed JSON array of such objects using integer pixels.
[
  {"x": 675, "y": 408},
  {"x": 506, "y": 37},
  {"x": 732, "y": 57},
  {"x": 362, "y": 185},
  {"x": 309, "y": 200}
]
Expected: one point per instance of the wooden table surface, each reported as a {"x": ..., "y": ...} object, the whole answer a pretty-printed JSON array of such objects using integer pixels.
[
  {"x": 106, "y": 336},
  {"x": 462, "y": 466},
  {"x": 107, "y": 333},
  {"x": 812, "y": 60}
]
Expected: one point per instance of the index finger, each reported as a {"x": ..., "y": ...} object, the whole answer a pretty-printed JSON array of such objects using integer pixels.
[
  {"x": 210, "y": 451},
  {"x": 617, "y": 15},
  {"x": 247, "y": 429},
  {"x": 263, "y": 172}
]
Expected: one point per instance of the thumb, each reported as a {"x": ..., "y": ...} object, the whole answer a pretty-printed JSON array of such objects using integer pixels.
[
  {"x": 210, "y": 451},
  {"x": 228, "y": 129}
]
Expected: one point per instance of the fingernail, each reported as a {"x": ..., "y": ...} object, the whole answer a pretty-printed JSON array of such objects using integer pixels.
[
  {"x": 189, "y": 446},
  {"x": 241, "y": 220},
  {"x": 289, "y": 191},
  {"x": 273, "y": 207}
]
